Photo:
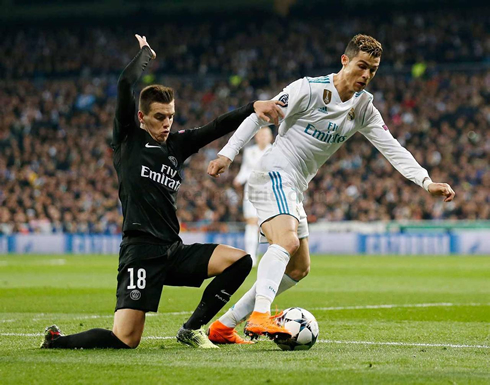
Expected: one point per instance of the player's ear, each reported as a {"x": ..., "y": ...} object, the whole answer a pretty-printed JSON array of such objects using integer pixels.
[
  {"x": 140, "y": 118},
  {"x": 344, "y": 59}
]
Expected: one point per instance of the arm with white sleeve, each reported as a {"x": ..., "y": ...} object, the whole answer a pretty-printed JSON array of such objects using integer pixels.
[
  {"x": 294, "y": 99},
  {"x": 245, "y": 132},
  {"x": 376, "y": 131}
]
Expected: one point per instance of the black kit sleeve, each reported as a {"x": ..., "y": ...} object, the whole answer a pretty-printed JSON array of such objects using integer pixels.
[
  {"x": 125, "y": 118},
  {"x": 224, "y": 124}
]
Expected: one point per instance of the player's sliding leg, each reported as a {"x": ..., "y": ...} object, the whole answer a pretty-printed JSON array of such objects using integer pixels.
[
  {"x": 252, "y": 238},
  {"x": 230, "y": 266},
  {"x": 126, "y": 334},
  {"x": 297, "y": 268}
]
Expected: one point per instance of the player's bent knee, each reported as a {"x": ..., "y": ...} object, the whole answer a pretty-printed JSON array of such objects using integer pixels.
[
  {"x": 298, "y": 274},
  {"x": 231, "y": 254},
  {"x": 224, "y": 257},
  {"x": 133, "y": 344},
  {"x": 290, "y": 243},
  {"x": 130, "y": 339},
  {"x": 246, "y": 263},
  {"x": 243, "y": 266}
]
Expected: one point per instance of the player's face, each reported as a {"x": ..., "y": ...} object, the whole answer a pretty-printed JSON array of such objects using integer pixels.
[
  {"x": 158, "y": 121},
  {"x": 360, "y": 70},
  {"x": 263, "y": 137}
]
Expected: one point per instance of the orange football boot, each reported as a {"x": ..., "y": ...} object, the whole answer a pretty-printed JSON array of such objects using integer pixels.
[
  {"x": 222, "y": 334},
  {"x": 264, "y": 324}
]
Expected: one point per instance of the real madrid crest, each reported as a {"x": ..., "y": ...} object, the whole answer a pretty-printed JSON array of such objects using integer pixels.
[
  {"x": 351, "y": 114},
  {"x": 327, "y": 96}
]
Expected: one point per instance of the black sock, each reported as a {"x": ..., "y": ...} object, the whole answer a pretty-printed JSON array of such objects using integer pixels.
[
  {"x": 219, "y": 291},
  {"x": 90, "y": 339}
]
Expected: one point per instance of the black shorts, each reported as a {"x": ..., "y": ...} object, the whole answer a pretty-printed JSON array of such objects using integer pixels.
[{"x": 145, "y": 268}]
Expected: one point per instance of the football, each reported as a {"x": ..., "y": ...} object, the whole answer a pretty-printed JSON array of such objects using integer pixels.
[{"x": 303, "y": 327}]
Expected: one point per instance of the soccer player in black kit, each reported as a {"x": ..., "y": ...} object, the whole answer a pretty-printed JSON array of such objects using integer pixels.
[{"x": 148, "y": 160}]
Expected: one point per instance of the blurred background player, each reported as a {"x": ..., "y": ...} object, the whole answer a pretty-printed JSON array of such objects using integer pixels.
[
  {"x": 250, "y": 160},
  {"x": 320, "y": 115}
]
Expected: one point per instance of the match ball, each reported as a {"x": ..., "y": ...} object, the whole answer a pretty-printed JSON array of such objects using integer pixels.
[{"x": 303, "y": 327}]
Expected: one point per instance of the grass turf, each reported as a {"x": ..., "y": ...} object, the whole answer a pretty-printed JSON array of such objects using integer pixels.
[{"x": 436, "y": 332}]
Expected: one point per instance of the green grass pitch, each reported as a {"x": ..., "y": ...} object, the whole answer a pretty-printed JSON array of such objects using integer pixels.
[{"x": 383, "y": 320}]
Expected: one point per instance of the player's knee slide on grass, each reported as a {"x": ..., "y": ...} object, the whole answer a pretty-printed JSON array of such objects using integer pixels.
[{"x": 129, "y": 341}]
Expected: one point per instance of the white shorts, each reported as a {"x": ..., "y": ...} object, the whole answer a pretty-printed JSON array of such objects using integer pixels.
[
  {"x": 272, "y": 194},
  {"x": 248, "y": 208}
]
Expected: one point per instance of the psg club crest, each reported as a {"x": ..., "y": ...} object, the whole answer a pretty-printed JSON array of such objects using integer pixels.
[
  {"x": 173, "y": 160},
  {"x": 327, "y": 96},
  {"x": 351, "y": 114}
]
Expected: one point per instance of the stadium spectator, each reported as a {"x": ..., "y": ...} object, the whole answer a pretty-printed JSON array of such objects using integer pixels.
[{"x": 56, "y": 121}]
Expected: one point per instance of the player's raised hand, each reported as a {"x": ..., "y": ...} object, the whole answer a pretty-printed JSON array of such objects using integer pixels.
[
  {"x": 218, "y": 166},
  {"x": 442, "y": 189},
  {"x": 269, "y": 110},
  {"x": 143, "y": 42}
]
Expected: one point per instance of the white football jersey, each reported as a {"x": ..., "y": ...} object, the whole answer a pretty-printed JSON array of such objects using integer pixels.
[
  {"x": 315, "y": 125},
  {"x": 250, "y": 161}
]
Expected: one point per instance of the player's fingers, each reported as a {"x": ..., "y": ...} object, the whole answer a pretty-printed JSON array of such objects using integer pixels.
[
  {"x": 279, "y": 103},
  {"x": 445, "y": 192},
  {"x": 273, "y": 117},
  {"x": 450, "y": 195},
  {"x": 211, "y": 168},
  {"x": 214, "y": 169},
  {"x": 218, "y": 170},
  {"x": 280, "y": 112},
  {"x": 263, "y": 116}
]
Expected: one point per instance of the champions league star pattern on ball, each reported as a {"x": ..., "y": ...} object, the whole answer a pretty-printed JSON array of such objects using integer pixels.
[{"x": 303, "y": 327}]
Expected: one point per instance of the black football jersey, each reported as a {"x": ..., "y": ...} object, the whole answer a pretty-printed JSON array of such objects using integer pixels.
[{"x": 150, "y": 173}]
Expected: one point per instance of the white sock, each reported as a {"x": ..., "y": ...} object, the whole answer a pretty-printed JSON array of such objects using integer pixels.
[
  {"x": 286, "y": 283},
  {"x": 238, "y": 312},
  {"x": 269, "y": 275},
  {"x": 252, "y": 241},
  {"x": 245, "y": 305}
]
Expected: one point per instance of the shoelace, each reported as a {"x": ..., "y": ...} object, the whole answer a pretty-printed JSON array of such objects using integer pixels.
[{"x": 277, "y": 315}]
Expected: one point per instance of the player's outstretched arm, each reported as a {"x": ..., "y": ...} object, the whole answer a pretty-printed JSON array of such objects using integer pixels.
[
  {"x": 125, "y": 107},
  {"x": 263, "y": 111}
]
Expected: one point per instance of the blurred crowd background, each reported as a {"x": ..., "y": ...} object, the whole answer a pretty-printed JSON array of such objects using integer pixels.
[{"x": 57, "y": 100}]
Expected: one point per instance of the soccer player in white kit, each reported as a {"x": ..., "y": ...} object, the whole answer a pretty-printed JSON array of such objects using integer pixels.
[
  {"x": 320, "y": 115},
  {"x": 250, "y": 161}
]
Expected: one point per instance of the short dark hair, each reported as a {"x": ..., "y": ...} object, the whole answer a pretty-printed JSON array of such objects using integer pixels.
[
  {"x": 363, "y": 43},
  {"x": 154, "y": 93}
]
